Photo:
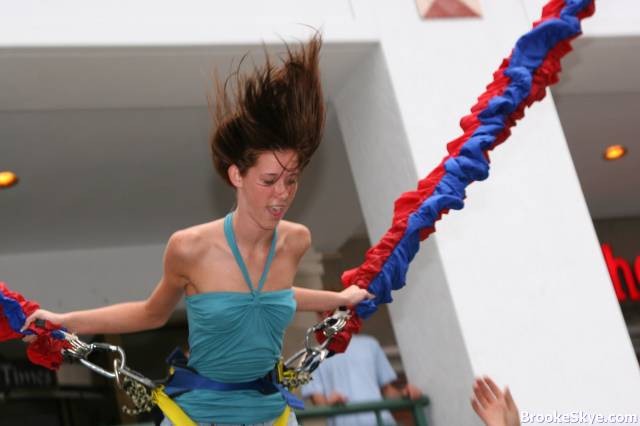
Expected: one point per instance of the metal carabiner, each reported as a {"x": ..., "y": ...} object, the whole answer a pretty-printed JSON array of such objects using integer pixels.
[
  {"x": 336, "y": 322},
  {"x": 80, "y": 350},
  {"x": 308, "y": 359},
  {"x": 96, "y": 368},
  {"x": 329, "y": 326}
]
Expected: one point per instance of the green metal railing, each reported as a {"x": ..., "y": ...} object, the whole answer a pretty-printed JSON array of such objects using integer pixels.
[{"x": 377, "y": 407}]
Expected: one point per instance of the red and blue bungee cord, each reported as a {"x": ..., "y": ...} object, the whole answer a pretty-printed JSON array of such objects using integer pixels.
[
  {"x": 46, "y": 349},
  {"x": 520, "y": 81}
]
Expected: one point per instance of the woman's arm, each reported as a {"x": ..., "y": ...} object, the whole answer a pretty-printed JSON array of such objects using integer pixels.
[
  {"x": 322, "y": 300},
  {"x": 130, "y": 317}
]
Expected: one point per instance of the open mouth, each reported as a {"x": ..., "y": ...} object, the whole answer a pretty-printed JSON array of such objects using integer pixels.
[{"x": 276, "y": 211}]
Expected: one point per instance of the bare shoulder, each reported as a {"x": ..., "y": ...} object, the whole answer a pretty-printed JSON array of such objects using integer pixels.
[
  {"x": 296, "y": 235},
  {"x": 189, "y": 243}
]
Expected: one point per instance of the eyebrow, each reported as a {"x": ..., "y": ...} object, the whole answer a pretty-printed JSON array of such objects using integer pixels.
[{"x": 280, "y": 174}]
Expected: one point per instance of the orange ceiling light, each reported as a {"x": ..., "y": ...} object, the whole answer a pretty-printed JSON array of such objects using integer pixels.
[
  {"x": 7, "y": 179},
  {"x": 614, "y": 152}
]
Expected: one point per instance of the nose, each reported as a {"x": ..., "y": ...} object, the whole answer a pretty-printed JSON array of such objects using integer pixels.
[{"x": 281, "y": 188}]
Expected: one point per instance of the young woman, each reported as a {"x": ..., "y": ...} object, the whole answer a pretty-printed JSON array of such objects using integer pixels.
[{"x": 237, "y": 272}]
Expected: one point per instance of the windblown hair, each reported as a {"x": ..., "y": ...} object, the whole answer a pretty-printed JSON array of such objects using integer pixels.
[{"x": 274, "y": 108}]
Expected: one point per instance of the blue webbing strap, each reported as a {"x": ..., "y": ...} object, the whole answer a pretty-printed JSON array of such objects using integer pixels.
[{"x": 184, "y": 379}]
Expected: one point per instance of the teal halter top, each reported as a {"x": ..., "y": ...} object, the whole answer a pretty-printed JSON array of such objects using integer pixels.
[{"x": 236, "y": 337}]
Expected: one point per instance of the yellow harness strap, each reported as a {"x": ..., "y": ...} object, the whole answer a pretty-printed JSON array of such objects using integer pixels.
[
  {"x": 179, "y": 418},
  {"x": 170, "y": 409},
  {"x": 283, "y": 420}
]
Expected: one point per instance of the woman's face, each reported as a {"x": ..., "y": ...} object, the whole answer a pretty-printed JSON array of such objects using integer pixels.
[{"x": 269, "y": 187}]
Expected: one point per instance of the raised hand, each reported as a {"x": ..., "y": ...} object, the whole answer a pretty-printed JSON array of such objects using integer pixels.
[
  {"x": 493, "y": 406},
  {"x": 42, "y": 314}
]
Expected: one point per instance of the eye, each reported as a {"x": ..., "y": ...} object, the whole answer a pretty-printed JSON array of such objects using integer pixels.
[{"x": 268, "y": 182}]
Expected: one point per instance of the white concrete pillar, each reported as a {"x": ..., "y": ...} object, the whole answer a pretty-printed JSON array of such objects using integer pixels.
[{"x": 513, "y": 286}]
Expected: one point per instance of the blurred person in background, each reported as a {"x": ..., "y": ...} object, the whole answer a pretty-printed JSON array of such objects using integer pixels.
[{"x": 361, "y": 374}]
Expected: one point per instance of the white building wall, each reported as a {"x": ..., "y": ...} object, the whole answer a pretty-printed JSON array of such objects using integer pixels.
[
  {"x": 191, "y": 22},
  {"x": 82, "y": 279}
]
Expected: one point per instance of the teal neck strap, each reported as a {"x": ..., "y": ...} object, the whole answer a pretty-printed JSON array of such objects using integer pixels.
[{"x": 231, "y": 240}]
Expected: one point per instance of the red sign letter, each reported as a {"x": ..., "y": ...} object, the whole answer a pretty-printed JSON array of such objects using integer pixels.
[{"x": 616, "y": 265}]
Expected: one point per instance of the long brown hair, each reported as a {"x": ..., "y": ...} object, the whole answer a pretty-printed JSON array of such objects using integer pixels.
[{"x": 273, "y": 108}]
